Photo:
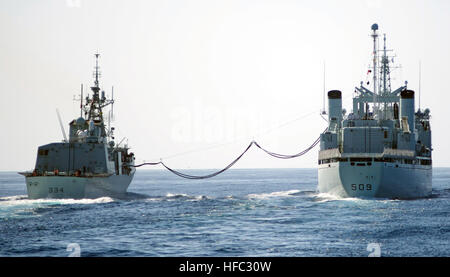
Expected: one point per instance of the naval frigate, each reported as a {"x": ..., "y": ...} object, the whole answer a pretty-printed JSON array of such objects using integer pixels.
[
  {"x": 87, "y": 165},
  {"x": 382, "y": 149}
]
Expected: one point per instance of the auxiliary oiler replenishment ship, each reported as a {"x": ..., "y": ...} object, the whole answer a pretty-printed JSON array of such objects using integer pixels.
[
  {"x": 88, "y": 164},
  {"x": 383, "y": 148}
]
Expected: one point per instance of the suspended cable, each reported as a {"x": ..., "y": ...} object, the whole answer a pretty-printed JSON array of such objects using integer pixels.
[
  {"x": 187, "y": 176},
  {"x": 139, "y": 165},
  {"x": 273, "y": 154},
  {"x": 282, "y": 156}
]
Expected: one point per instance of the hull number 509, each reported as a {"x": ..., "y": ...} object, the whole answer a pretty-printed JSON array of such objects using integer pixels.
[{"x": 361, "y": 187}]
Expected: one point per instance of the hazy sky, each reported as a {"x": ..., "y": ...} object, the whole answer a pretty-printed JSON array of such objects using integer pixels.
[{"x": 206, "y": 77}]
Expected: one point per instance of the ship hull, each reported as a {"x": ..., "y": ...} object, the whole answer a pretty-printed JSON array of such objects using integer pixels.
[
  {"x": 377, "y": 180},
  {"x": 77, "y": 187}
]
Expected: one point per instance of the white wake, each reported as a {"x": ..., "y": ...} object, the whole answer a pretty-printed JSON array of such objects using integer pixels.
[
  {"x": 23, "y": 200},
  {"x": 287, "y": 193}
]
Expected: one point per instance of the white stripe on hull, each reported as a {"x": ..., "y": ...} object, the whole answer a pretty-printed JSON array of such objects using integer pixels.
[
  {"x": 77, "y": 187},
  {"x": 379, "y": 180}
]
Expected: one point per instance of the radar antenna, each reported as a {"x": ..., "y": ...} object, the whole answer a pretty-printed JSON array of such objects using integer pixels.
[{"x": 97, "y": 72}]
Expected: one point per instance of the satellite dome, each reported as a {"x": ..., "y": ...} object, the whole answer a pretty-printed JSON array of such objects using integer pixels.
[{"x": 81, "y": 121}]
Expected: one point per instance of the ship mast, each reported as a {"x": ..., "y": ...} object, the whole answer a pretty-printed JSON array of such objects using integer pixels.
[
  {"x": 382, "y": 93},
  {"x": 384, "y": 71},
  {"x": 375, "y": 61},
  {"x": 385, "y": 83},
  {"x": 96, "y": 103},
  {"x": 96, "y": 73},
  {"x": 95, "y": 110}
]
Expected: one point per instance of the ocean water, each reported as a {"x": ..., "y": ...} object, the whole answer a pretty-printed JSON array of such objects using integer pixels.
[{"x": 243, "y": 212}]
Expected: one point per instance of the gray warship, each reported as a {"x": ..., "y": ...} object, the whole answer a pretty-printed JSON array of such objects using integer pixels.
[
  {"x": 382, "y": 149},
  {"x": 87, "y": 165}
]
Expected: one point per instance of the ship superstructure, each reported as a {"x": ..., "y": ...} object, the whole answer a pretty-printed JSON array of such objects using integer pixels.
[
  {"x": 383, "y": 147},
  {"x": 87, "y": 165}
]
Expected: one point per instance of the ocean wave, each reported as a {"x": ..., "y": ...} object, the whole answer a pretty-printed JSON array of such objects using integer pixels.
[
  {"x": 23, "y": 200},
  {"x": 178, "y": 196},
  {"x": 287, "y": 193},
  {"x": 187, "y": 197},
  {"x": 326, "y": 197}
]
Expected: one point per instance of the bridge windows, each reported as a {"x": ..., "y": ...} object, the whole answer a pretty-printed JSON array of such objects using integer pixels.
[
  {"x": 360, "y": 159},
  {"x": 43, "y": 152},
  {"x": 333, "y": 160},
  {"x": 364, "y": 161}
]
